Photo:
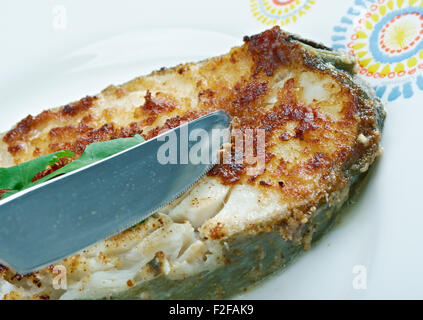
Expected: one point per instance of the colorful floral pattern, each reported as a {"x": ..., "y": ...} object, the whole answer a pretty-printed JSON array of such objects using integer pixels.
[
  {"x": 279, "y": 12},
  {"x": 386, "y": 36}
]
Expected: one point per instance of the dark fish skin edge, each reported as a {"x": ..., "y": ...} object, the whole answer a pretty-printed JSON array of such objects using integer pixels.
[{"x": 253, "y": 257}]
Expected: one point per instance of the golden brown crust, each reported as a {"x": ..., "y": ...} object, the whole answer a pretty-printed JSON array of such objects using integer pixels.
[
  {"x": 261, "y": 57},
  {"x": 312, "y": 145},
  {"x": 309, "y": 144},
  {"x": 24, "y": 128}
]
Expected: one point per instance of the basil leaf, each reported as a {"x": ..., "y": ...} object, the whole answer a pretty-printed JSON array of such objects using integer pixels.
[{"x": 18, "y": 178}]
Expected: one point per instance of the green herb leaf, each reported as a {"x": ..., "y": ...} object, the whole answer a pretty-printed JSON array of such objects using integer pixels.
[
  {"x": 95, "y": 152},
  {"x": 18, "y": 178},
  {"x": 61, "y": 155}
]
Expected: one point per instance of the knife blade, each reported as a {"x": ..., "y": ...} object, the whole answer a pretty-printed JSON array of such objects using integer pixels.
[{"x": 46, "y": 223}]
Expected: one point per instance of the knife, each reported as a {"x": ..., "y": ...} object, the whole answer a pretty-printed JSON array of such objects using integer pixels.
[{"x": 60, "y": 217}]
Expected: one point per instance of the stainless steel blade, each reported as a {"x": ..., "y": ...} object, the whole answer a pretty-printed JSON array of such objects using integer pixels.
[{"x": 60, "y": 217}]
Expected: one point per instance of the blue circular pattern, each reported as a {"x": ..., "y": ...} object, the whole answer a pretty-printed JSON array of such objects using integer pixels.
[
  {"x": 374, "y": 38},
  {"x": 387, "y": 38}
]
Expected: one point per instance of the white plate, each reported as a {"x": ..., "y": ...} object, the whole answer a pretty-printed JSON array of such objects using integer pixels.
[{"x": 59, "y": 51}]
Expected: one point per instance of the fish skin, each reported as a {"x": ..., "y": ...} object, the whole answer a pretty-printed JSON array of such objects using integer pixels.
[{"x": 231, "y": 230}]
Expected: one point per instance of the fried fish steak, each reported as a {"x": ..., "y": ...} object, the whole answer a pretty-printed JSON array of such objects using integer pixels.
[{"x": 322, "y": 128}]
